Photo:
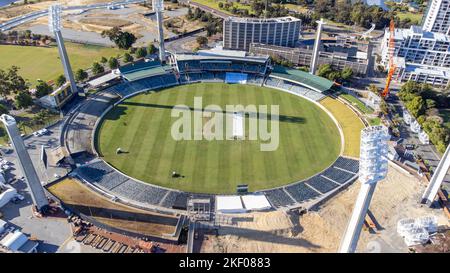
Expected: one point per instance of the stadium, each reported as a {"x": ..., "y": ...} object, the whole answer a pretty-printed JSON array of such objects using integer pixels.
[{"x": 317, "y": 154}]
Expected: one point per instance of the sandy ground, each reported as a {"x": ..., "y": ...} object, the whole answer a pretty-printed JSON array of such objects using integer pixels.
[{"x": 320, "y": 231}]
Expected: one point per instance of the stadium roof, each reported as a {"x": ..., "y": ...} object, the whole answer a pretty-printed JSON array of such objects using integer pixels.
[
  {"x": 317, "y": 83},
  {"x": 143, "y": 69},
  {"x": 222, "y": 54}
]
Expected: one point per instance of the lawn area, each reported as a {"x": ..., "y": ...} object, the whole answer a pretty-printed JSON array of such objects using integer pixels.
[
  {"x": 350, "y": 123},
  {"x": 309, "y": 141},
  {"x": 215, "y": 5},
  {"x": 415, "y": 18},
  {"x": 298, "y": 8},
  {"x": 44, "y": 63},
  {"x": 357, "y": 103}
]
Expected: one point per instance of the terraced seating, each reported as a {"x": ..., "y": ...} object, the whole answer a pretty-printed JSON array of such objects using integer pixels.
[
  {"x": 321, "y": 184},
  {"x": 140, "y": 192},
  {"x": 337, "y": 175},
  {"x": 279, "y": 198},
  {"x": 94, "y": 171},
  {"x": 301, "y": 192},
  {"x": 169, "y": 200},
  {"x": 348, "y": 164}
]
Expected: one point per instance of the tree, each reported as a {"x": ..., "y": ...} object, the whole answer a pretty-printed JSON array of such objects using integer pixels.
[
  {"x": 23, "y": 99},
  {"x": 103, "y": 60},
  {"x": 430, "y": 103},
  {"x": 3, "y": 109},
  {"x": 81, "y": 75},
  {"x": 324, "y": 70},
  {"x": 416, "y": 106},
  {"x": 151, "y": 48},
  {"x": 41, "y": 116},
  {"x": 141, "y": 52},
  {"x": 346, "y": 74},
  {"x": 374, "y": 89},
  {"x": 127, "y": 58},
  {"x": 60, "y": 80},
  {"x": 202, "y": 41},
  {"x": 113, "y": 63},
  {"x": 122, "y": 39},
  {"x": 42, "y": 89},
  {"x": 97, "y": 68}
]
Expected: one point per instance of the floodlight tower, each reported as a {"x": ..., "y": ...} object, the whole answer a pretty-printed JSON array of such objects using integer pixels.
[
  {"x": 373, "y": 164},
  {"x": 437, "y": 179},
  {"x": 54, "y": 25},
  {"x": 26, "y": 165},
  {"x": 315, "y": 56},
  {"x": 158, "y": 7}
]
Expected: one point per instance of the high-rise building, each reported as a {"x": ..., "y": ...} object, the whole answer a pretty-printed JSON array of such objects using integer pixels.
[
  {"x": 239, "y": 33},
  {"x": 419, "y": 55},
  {"x": 437, "y": 18}
]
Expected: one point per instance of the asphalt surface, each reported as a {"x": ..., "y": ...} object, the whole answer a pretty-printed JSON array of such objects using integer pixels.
[{"x": 50, "y": 231}]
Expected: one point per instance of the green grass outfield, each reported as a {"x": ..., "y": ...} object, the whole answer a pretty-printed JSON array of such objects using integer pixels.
[
  {"x": 141, "y": 126},
  {"x": 44, "y": 63}
]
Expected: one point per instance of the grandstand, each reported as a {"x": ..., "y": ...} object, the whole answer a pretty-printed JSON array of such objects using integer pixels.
[
  {"x": 343, "y": 171},
  {"x": 205, "y": 66}
]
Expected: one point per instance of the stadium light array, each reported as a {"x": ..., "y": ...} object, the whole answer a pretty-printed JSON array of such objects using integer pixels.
[{"x": 373, "y": 165}]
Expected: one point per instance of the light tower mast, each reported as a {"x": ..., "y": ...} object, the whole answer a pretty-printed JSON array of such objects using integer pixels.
[
  {"x": 315, "y": 56},
  {"x": 158, "y": 7},
  {"x": 54, "y": 25},
  {"x": 372, "y": 168},
  {"x": 437, "y": 179},
  {"x": 26, "y": 165}
]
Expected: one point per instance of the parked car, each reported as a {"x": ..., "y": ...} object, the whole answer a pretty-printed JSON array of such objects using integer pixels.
[{"x": 410, "y": 146}]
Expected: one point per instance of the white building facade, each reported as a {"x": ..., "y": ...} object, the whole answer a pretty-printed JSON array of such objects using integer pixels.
[
  {"x": 438, "y": 17},
  {"x": 239, "y": 33},
  {"x": 419, "y": 55}
]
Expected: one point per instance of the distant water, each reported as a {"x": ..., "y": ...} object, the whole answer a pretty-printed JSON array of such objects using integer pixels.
[
  {"x": 6, "y": 2},
  {"x": 379, "y": 3}
]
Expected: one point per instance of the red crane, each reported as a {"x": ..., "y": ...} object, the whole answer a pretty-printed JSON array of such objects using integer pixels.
[{"x": 391, "y": 49}]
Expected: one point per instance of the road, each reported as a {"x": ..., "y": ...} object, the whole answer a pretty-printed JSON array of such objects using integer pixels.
[
  {"x": 34, "y": 15},
  {"x": 177, "y": 45},
  {"x": 214, "y": 12}
]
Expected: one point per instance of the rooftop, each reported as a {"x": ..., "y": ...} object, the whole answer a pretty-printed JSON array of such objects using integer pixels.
[
  {"x": 143, "y": 69},
  {"x": 315, "y": 82},
  {"x": 263, "y": 20},
  {"x": 222, "y": 54},
  {"x": 403, "y": 33}
]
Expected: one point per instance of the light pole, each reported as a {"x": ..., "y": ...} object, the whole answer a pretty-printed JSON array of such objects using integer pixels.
[
  {"x": 54, "y": 25},
  {"x": 373, "y": 165}
]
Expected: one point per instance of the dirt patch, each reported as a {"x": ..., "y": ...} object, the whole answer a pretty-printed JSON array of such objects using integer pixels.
[
  {"x": 321, "y": 231},
  {"x": 113, "y": 22}
]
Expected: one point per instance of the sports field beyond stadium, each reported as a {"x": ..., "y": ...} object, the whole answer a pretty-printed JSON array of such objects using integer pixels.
[
  {"x": 141, "y": 127},
  {"x": 44, "y": 63}
]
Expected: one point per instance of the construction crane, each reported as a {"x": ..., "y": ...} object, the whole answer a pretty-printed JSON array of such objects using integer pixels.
[{"x": 391, "y": 49}]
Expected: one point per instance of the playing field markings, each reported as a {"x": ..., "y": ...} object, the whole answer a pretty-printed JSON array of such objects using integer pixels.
[
  {"x": 247, "y": 150},
  {"x": 213, "y": 162},
  {"x": 155, "y": 142},
  {"x": 286, "y": 142},
  {"x": 273, "y": 166},
  {"x": 168, "y": 153},
  {"x": 223, "y": 149},
  {"x": 201, "y": 157},
  {"x": 180, "y": 146},
  {"x": 136, "y": 137}
]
